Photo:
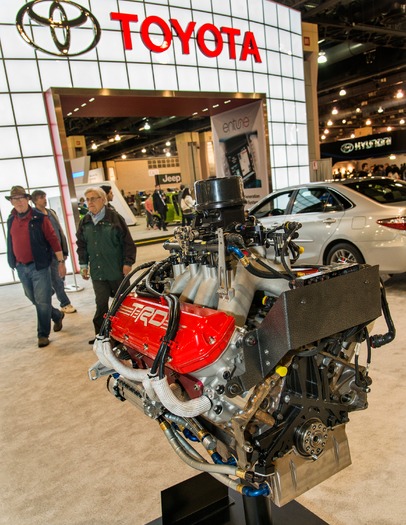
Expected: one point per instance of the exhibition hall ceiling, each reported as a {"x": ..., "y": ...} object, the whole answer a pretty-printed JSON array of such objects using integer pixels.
[{"x": 363, "y": 41}]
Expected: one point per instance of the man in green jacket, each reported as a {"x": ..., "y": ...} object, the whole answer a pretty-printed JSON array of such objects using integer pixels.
[{"x": 105, "y": 249}]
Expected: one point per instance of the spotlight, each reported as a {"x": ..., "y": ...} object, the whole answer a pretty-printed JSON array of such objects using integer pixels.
[
  {"x": 322, "y": 59},
  {"x": 334, "y": 111},
  {"x": 342, "y": 92},
  {"x": 380, "y": 109},
  {"x": 143, "y": 150},
  {"x": 147, "y": 126},
  {"x": 117, "y": 137}
]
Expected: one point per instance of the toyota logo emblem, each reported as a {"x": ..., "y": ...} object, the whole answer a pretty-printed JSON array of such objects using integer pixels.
[
  {"x": 347, "y": 147},
  {"x": 59, "y": 17}
]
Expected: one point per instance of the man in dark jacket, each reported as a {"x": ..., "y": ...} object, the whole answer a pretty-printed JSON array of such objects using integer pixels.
[
  {"x": 105, "y": 249},
  {"x": 160, "y": 206},
  {"x": 39, "y": 199},
  {"x": 31, "y": 243}
]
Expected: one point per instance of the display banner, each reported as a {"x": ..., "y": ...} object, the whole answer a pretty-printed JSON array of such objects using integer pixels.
[
  {"x": 239, "y": 148},
  {"x": 371, "y": 146}
]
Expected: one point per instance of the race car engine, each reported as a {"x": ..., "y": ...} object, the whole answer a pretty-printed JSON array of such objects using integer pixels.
[{"x": 249, "y": 362}]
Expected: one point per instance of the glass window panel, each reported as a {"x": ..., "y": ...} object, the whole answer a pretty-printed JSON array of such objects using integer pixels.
[
  {"x": 156, "y": 10},
  {"x": 301, "y": 116},
  {"x": 202, "y": 5},
  {"x": 8, "y": 11},
  {"x": 304, "y": 173},
  {"x": 228, "y": 80},
  {"x": 9, "y": 146},
  {"x": 11, "y": 170},
  {"x": 288, "y": 88},
  {"x": 35, "y": 141},
  {"x": 274, "y": 63},
  {"x": 278, "y": 133},
  {"x": 85, "y": 74},
  {"x": 114, "y": 76},
  {"x": 293, "y": 177},
  {"x": 245, "y": 82},
  {"x": 256, "y": 11},
  {"x": 165, "y": 77},
  {"x": 280, "y": 155},
  {"x": 29, "y": 109},
  {"x": 297, "y": 45},
  {"x": 303, "y": 153},
  {"x": 41, "y": 172},
  {"x": 283, "y": 17},
  {"x": 12, "y": 43},
  {"x": 289, "y": 111},
  {"x": 298, "y": 68},
  {"x": 270, "y": 13},
  {"x": 295, "y": 21},
  {"x": 275, "y": 86},
  {"x": 6, "y": 111},
  {"x": 54, "y": 73},
  {"x": 277, "y": 114},
  {"x": 285, "y": 45},
  {"x": 23, "y": 75},
  {"x": 6, "y": 273},
  {"x": 260, "y": 83},
  {"x": 209, "y": 80},
  {"x": 300, "y": 94},
  {"x": 111, "y": 46},
  {"x": 272, "y": 38},
  {"x": 188, "y": 79},
  {"x": 286, "y": 66},
  {"x": 293, "y": 155},
  {"x": 280, "y": 177},
  {"x": 239, "y": 9},
  {"x": 302, "y": 134},
  {"x": 220, "y": 7},
  {"x": 259, "y": 33},
  {"x": 140, "y": 76},
  {"x": 290, "y": 134}
]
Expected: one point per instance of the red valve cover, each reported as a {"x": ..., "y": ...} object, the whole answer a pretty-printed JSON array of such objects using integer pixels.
[{"x": 203, "y": 333}]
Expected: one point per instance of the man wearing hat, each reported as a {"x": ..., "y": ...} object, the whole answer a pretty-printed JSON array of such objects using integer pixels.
[{"x": 31, "y": 243}]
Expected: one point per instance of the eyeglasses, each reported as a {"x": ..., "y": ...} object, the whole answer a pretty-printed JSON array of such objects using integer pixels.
[
  {"x": 92, "y": 199},
  {"x": 17, "y": 198}
]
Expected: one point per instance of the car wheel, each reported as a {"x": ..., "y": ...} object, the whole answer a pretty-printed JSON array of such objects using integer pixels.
[{"x": 344, "y": 253}]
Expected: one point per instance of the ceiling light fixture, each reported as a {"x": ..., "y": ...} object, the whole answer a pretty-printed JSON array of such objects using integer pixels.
[
  {"x": 322, "y": 59},
  {"x": 334, "y": 111},
  {"x": 401, "y": 121},
  {"x": 399, "y": 94},
  {"x": 329, "y": 123},
  {"x": 344, "y": 121},
  {"x": 389, "y": 128},
  {"x": 358, "y": 110},
  {"x": 380, "y": 109},
  {"x": 353, "y": 135},
  {"x": 323, "y": 137},
  {"x": 368, "y": 122},
  {"x": 147, "y": 126},
  {"x": 94, "y": 145},
  {"x": 143, "y": 150},
  {"x": 342, "y": 92},
  {"x": 168, "y": 143},
  {"x": 117, "y": 137},
  {"x": 168, "y": 154},
  {"x": 123, "y": 156}
]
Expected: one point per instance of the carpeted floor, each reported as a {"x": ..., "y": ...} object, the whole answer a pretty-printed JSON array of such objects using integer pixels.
[{"x": 71, "y": 454}]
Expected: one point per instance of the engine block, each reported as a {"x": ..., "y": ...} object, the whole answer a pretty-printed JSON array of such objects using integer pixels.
[{"x": 230, "y": 343}]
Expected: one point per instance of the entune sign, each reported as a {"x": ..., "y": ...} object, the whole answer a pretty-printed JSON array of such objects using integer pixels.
[{"x": 210, "y": 39}]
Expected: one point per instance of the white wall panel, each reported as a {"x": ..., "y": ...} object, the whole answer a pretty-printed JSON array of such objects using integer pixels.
[
  {"x": 9, "y": 146},
  {"x": 29, "y": 108},
  {"x": 35, "y": 141}
]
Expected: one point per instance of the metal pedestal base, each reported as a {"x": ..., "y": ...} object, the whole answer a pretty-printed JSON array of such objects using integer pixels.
[{"x": 203, "y": 500}]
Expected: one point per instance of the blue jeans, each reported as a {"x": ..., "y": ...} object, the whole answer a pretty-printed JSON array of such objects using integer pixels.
[
  {"x": 58, "y": 284},
  {"x": 38, "y": 289}
]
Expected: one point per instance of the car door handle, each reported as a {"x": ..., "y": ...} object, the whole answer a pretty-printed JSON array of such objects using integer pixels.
[{"x": 329, "y": 221}]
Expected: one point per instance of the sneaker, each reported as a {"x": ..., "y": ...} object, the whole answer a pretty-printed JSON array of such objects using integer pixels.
[
  {"x": 43, "y": 341},
  {"x": 68, "y": 309},
  {"x": 58, "y": 324}
]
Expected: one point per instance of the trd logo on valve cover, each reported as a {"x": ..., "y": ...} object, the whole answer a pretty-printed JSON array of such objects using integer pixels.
[
  {"x": 149, "y": 315},
  {"x": 60, "y": 17}
]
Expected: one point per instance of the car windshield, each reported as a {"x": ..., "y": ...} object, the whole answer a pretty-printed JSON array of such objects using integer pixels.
[{"x": 382, "y": 190}]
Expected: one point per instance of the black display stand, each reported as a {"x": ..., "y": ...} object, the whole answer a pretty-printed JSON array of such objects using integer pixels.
[{"x": 203, "y": 500}]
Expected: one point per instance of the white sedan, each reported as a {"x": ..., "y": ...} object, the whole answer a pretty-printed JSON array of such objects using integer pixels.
[{"x": 356, "y": 220}]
